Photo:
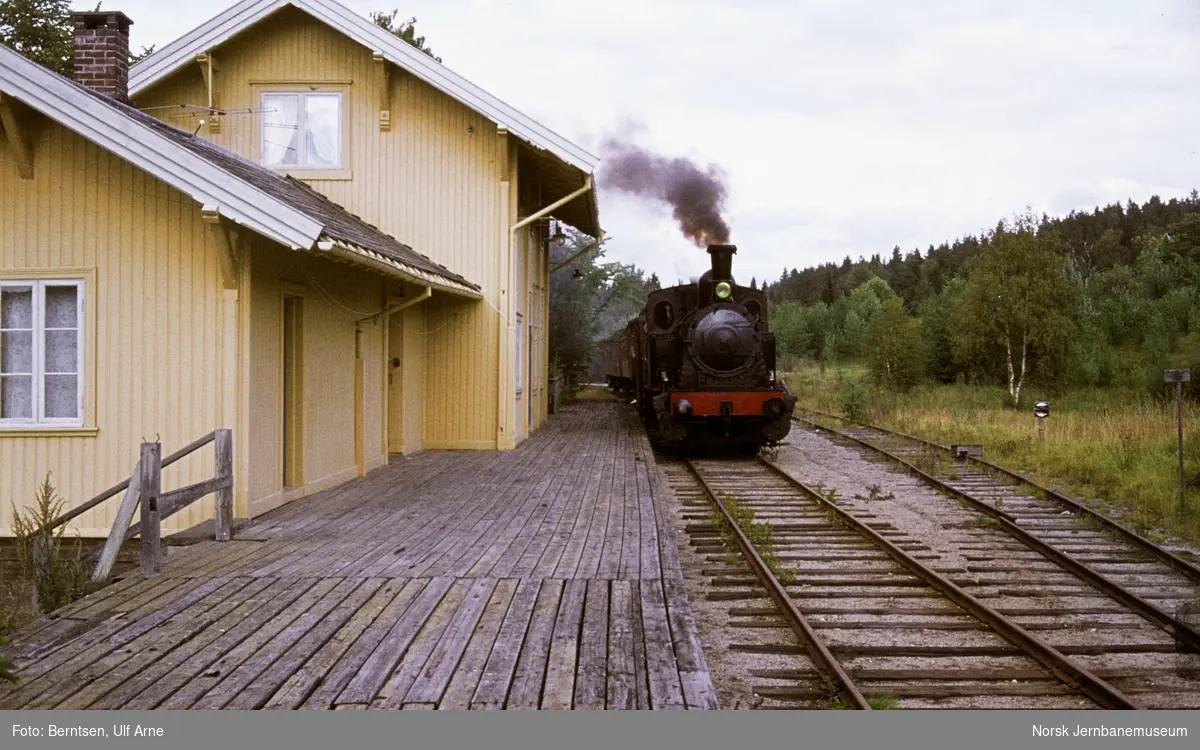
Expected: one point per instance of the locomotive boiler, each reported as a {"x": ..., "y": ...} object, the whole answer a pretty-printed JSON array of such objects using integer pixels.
[{"x": 702, "y": 362}]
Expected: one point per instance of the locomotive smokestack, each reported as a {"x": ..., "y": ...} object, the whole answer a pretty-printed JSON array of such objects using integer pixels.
[{"x": 722, "y": 262}]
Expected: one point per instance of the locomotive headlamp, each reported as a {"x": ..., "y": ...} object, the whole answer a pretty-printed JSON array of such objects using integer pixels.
[{"x": 724, "y": 290}]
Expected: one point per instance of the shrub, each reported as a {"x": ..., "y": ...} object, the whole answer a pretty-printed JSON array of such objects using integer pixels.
[
  {"x": 55, "y": 569},
  {"x": 853, "y": 402}
]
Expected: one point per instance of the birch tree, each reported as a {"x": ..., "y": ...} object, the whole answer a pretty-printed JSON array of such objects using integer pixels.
[{"x": 1018, "y": 303}]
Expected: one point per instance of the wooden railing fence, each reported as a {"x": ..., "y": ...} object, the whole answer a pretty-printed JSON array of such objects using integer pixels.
[{"x": 143, "y": 492}]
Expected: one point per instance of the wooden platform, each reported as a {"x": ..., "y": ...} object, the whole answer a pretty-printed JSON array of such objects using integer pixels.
[{"x": 545, "y": 577}]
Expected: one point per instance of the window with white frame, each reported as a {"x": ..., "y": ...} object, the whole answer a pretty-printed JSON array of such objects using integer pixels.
[
  {"x": 302, "y": 130},
  {"x": 520, "y": 350},
  {"x": 41, "y": 353}
]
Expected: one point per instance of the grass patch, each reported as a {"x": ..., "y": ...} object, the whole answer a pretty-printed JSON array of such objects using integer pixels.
[
  {"x": 1116, "y": 444},
  {"x": 759, "y": 534}
]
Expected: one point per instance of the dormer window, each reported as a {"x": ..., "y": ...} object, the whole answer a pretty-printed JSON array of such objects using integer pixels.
[{"x": 302, "y": 130}]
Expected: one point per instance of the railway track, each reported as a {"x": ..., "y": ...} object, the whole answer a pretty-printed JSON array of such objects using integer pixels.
[
  {"x": 1142, "y": 575},
  {"x": 866, "y": 615}
]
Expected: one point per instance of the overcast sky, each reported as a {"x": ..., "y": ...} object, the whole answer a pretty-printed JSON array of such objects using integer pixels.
[{"x": 846, "y": 127}]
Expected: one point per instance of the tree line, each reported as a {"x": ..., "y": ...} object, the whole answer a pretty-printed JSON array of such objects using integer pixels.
[
  {"x": 591, "y": 300},
  {"x": 43, "y": 31},
  {"x": 1107, "y": 298}
]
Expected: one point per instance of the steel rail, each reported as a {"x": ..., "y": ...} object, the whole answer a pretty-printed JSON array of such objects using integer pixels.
[
  {"x": 1054, "y": 660},
  {"x": 822, "y": 657},
  {"x": 1163, "y": 555},
  {"x": 1184, "y": 633}
]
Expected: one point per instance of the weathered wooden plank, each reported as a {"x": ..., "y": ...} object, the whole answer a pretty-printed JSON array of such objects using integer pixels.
[
  {"x": 313, "y": 672},
  {"x": 559, "y": 690},
  {"x": 470, "y": 669},
  {"x": 246, "y": 601},
  {"x": 542, "y": 558},
  {"x": 497, "y": 679},
  {"x": 589, "y": 559},
  {"x": 649, "y": 566},
  {"x": 481, "y": 498},
  {"x": 265, "y": 685},
  {"x": 666, "y": 692},
  {"x": 557, "y": 543},
  {"x": 572, "y": 551},
  {"x": 537, "y": 525},
  {"x": 541, "y": 546},
  {"x": 614, "y": 539},
  {"x": 631, "y": 549},
  {"x": 235, "y": 679},
  {"x": 57, "y": 669},
  {"x": 591, "y": 679},
  {"x": 621, "y": 690},
  {"x": 215, "y": 672},
  {"x": 641, "y": 681},
  {"x": 151, "y": 547},
  {"x": 698, "y": 690},
  {"x": 529, "y": 678},
  {"x": 391, "y": 694},
  {"x": 108, "y": 673},
  {"x": 379, "y": 665},
  {"x": 120, "y": 527},
  {"x": 453, "y": 555},
  {"x": 445, "y": 507},
  {"x": 350, "y": 663},
  {"x": 197, "y": 654},
  {"x": 223, "y": 467},
  {"x": 520, "y": 520},
  {"x": 434, "y": 679}
]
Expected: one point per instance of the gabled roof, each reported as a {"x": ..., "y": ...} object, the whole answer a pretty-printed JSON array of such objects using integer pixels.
[
  {"x": 280, "y": 208},
  {"x": 237, "y": 19}
]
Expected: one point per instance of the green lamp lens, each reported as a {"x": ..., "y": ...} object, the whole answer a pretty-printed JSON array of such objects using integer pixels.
[{"x": 724, "y": 290}]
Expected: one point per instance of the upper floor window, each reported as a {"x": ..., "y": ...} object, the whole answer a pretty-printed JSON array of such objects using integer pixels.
[
  {"x": 41, "y": 355},
  {"x": 302, "y": 130}
]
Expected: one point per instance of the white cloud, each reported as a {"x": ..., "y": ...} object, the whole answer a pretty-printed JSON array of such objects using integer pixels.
[{"x": 845, "y": 127}]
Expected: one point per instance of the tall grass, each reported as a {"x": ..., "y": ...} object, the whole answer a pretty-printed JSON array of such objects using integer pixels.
[{"x": 1116, "y": 445}]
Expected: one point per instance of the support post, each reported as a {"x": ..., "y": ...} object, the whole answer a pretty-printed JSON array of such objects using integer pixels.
[
  {"x": 223, "y": 444},
  {"x": 1179, "y": 417},
  {"x": 1041, "y": 423},
  {"x": 1179, "y": 377},
  {"x": 151, "y": 467}
]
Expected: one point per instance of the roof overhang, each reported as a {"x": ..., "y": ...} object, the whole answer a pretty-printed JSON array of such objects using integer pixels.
[
  {"x": 241, "y": 16},
  {"x": 555, "y": 180},
  {"x": 389, "y": 266},
  {"x": 106, "y": 126}
]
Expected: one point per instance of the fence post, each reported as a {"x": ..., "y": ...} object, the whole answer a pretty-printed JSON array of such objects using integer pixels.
[
  {"x": 151, "y": 485},
  {"x": 223, "y": 444}
]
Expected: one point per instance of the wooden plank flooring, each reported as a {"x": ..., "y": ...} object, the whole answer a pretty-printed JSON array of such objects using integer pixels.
[{"x": 541, "y": 578}]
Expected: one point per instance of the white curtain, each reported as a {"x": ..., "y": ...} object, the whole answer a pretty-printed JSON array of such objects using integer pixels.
[
  {"x": 322, "y": 123},
  {"x": 16, "y": 352},
  {"x": 281, "y": 129}
]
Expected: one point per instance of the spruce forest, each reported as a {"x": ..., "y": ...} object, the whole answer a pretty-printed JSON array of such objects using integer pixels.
[{"x": 1107, "y": 298}]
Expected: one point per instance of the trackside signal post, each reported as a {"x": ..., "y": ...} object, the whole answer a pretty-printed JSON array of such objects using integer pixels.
[
  {"x": 1041, "y": 410},
  {"x": 1179, "y": 377}
]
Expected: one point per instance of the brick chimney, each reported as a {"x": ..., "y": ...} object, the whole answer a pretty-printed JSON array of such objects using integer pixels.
[{"x": 102, "y": 52}]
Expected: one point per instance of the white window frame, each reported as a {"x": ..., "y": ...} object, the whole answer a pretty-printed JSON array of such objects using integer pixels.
[
  {"x": 39, "y": 418},
  {"x": 302, "y": 153}
]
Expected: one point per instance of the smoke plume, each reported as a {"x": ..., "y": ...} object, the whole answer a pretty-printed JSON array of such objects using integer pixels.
[{"x": 695, "y": 195}]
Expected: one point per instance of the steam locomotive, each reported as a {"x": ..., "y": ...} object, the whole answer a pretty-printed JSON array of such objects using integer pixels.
[{"x": 700, "y": 361}]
